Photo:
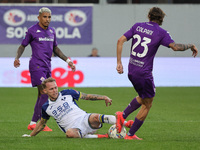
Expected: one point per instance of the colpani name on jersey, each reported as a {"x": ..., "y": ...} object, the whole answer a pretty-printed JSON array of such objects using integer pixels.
[
  {"x": 46, "y": 39},
  {"x": 144, "y": 30}
]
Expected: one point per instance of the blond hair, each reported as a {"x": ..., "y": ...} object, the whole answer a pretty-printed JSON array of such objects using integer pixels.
[
  {"x": 50, "y": 79},
  {"x": 44, "y": 9}
]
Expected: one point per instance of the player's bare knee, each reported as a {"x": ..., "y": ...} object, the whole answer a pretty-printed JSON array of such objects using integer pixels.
[
  {"x": 147, "y": 102},
  {"x": 72, "y": 133},
  {"x": 69, "y": 133},
  {"x": 94, "y": 121},
  {"x": 96, "y": 117},
  {"x": 147, "y": 106},
  {"x": 139, "y": 99}
]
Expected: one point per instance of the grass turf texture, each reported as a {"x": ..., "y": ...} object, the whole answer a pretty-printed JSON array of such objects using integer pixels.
[{"x": 173, "y": 122}]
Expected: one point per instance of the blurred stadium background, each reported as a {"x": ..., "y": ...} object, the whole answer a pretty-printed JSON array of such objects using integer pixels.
[{"x": 109, "y": 20}]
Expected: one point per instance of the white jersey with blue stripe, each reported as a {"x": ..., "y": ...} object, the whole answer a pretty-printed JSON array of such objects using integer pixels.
[{"x": 64, "y": 109}]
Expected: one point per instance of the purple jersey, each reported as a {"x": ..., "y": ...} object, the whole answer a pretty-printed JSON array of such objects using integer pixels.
[
  {"x": 146, "y": 38},
  {"x": 42, "y": 43}
]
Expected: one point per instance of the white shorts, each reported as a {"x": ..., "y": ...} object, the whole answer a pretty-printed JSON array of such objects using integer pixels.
[{"x": 83, "y": 125}]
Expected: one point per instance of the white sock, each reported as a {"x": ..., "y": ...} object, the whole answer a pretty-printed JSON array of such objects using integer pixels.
[
  {"x": 32, "y": 122},
  {"x": 91, "y": 136},
  {"x": 124, "y": 123},
  {"x": 110, "y": 119}
]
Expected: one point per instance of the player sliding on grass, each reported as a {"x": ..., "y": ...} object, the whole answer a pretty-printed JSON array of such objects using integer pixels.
[
  {"x": 72, "y": 120},
  {"x": 146, "y": 38}
]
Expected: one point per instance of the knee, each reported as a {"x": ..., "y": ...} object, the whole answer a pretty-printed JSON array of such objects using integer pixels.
[
  {"x": 69, "y": 133},
  {"x": 96, "y": 118},
  {"x": 72, "y": 133},
  {"x": 94, "y": 121},
  {"x": 148, "y": 103}
]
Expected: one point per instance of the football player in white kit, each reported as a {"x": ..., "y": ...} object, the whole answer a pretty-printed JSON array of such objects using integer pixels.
[{"x": 72, "y": 120}]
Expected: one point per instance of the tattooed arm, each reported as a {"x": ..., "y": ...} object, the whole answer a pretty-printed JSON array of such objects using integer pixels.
[
  {"x": 60, "y": 54},
  {"x": 39, "y": 127},
  {"x": 19, "y": 54},
  {"x": 183, "y": 47},
  {"x": 94, "y": 97}
]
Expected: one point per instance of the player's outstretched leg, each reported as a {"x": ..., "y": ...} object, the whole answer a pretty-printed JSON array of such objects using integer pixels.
[{"x": 110, "y": 119}]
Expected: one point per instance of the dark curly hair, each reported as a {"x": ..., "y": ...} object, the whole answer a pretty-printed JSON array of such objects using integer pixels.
[{"x": 157, "y": 15}]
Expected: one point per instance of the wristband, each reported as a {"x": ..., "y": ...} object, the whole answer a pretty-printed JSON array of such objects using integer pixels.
[{"x": 68, "y": 60}]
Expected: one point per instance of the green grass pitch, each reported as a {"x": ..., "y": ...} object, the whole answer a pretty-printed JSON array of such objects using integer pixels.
[{"x": 172, "y": 124}]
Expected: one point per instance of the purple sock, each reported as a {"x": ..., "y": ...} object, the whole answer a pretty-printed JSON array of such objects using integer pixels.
[
  {"x": 35, "y": 117},
  {"x": 133, "y": 105},
  {"x": 38, "y": 107},
  {"x": 136, "y": 125}
]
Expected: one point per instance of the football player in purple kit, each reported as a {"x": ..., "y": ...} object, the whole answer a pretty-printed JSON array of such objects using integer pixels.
[
  {"x": 146, "y": 39},
  {"x": 42, "y": 39}
]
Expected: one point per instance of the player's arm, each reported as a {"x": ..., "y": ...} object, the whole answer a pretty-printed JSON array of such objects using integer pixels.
[
  {"x": 120, "y": 43},
  {"x": 39, "y": 127},
  {"x": 183, "y": 47},
  {"x": 94, "y": 97},
  {"x": 60, "y": 54},
  {"x": 18, "y": 55}
]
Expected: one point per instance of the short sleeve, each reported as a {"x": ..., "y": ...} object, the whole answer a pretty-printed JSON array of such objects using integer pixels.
[
  {"x": 27, "y": 39},
  {"x": 44, "y": 114},
  {"x": 75, "y": 94},
  {"x": 166, "y": 40},
  {"x": 129, "y": 34}
]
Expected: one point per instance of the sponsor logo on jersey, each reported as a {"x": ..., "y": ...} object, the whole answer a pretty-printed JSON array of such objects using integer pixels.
[{"x": 45, "y": 39}]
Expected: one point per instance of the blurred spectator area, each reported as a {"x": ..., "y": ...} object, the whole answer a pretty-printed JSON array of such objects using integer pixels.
[{"x": 103, "y": 1}]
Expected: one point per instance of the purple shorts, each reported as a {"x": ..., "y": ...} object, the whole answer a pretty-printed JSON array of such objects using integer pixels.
[
  {"x": 144, "y": 86},
  {"x": 38, "y": 76}
]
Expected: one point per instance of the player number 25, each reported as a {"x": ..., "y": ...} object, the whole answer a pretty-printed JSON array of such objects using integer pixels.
[{"x": 142, "y": 43}]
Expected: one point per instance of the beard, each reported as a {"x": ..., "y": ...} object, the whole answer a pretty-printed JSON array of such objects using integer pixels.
[{"x": 44, "y": 25}]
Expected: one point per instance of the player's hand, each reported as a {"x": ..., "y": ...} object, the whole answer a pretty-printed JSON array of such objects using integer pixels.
[
  {"x": 16, "y": 63},
  {"x": 26, "y": 135},
  {"x": 120, "y": 68},
  {"x": 108, "y": 101},
  {"x": 72, "y": 66},
  {"x": 194, "y": 51}
]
